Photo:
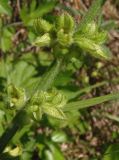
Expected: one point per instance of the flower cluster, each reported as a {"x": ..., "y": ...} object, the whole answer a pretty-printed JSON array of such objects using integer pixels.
[{"x": 64, "y": 34}]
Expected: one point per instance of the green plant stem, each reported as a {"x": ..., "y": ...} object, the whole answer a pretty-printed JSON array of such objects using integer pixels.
[
  {"x": 22, "y": 116},
  {"x": 18, "y": 121}
]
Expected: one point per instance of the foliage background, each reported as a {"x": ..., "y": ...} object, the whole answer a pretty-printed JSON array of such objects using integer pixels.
[{"x": 91, "y": 133}]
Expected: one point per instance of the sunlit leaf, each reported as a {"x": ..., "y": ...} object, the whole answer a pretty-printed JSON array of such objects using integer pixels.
[
  {"x": 48, "y": 78},
  {"x": 112, "y": 153},
  {"x": 91, "y": 13},
  {"x": 54, "y": 112},
  {"x": 59, "y": 136},
  {"x": 90, "y": 102},
  {"x": 5, "y": 7}
]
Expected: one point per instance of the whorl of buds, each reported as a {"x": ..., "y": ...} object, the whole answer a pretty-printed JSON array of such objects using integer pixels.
[
  {"x": 50, "y": 103},
  {"x": 91, "y": 40},
  {"x": 65, "y": 22},
  {"x": 16, "y": 97},
  {"x": 64, "y": 35}
]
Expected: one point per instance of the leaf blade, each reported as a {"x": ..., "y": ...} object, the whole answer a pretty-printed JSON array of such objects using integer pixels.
[
  {"x": 90, "y": 102},
  {"x": 91, "y": 13},
  {"x": 47, "y": 80}
]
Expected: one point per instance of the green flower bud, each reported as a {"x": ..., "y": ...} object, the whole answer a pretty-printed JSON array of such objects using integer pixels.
[
  {"x": 76, "y": 62},
  {"x": 64, "y": 39},
  {"x": 85, "y": 44},
  {"x": 64, "y": 51},
  {"x": 100, "y": 38},
  {"x": 86, "y": 79},
  {"x": 17, "y": 97},
  {"x": 90, "y": 29},
  {"x": 50, "y": 103},
  {"x": 102, "y": 52},
  {"x": 33, "y": 108},
  {"x": 58, "y": 99},
  {"x": 60, "y": 51},
  {"x": 43, "y": 40},
  {"x": 54, "y": 112},
  {"x": 42, "y": 26},
  {"x": 94, "y": 49},
  {"x": 66, "y": 22},
  {"x": 99, "y": 65},
  {"x": 14, "y": 152},
  {"x": 95, "y": 74}
]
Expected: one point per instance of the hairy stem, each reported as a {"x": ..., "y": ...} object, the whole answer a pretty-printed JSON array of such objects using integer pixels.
[
  {"x": 22, "y": 116},
  {"x": 18, "y": 121}
]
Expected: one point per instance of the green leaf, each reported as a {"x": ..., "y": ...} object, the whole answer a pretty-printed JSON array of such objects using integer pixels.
[
  {"x": 21, "y": 74},
  {"x": 2, "y": 113},
  {"x": 48, "y": 79},
  {"x": 5, "y": 7},
  {"x": 112, "y": 153},
  {"x": 70, "y": 9},
  {"x": 90, "y": 102},
  {"x": 33, "y": 5},
  {"x": 48, "y": 155},
  {"x": 71, "y": 94},
  {"x": 108, "y": 25},
  {"x": 19, "y": 134},
  {"x": 18, "y": 121},
  {"x": 56, "y": 153},
  {"x": 59, "y": 137},
  {"x": 54, "y": 112},
  {"x": 28, "y": 15},
  {"x": 91, "y": 13},
  {"x": 112, "y": 117},
  {"x": 6, "y": 39}
]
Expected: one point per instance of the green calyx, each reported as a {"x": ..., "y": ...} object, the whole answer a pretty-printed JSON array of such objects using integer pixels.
[
  {"x": 65, "y": 22},
  {"x": 91, "y": 40},
  {"x": 43, "y": 102},
  {"x": 16, "y": 97},
  {"x": 62, "y": 35},
  {"x": 96, "y": 50},
  {"x": 50, "y": 103},
  {"x": 64, "y": 39},
  {"x": 42, "y": 26},
  {"x": 42, "y": 41}
]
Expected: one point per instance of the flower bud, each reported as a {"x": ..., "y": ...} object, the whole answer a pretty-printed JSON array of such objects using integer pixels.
[
  {"x": 50, "y": 103},
  {"x": 17, "y": 97},
  {"x": 94, "y": 49},
  {"x": 42, "y": 26},
  {"x": 64, "y": 39},
  {"x": 43, "y": 40},
  {"x": 100, "y": 38},
  {"x": 90, "y": 29},
  {"x": 66, "y": 22}
]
